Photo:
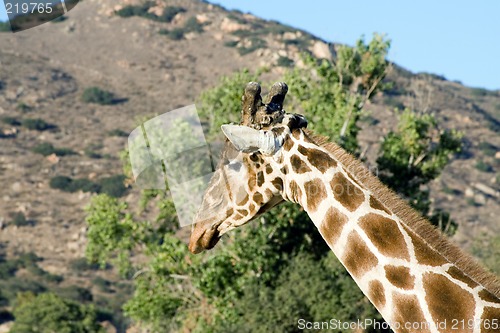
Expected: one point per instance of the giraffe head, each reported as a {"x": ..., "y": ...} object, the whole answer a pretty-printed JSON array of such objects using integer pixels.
[{"x": 246, "y": 182}]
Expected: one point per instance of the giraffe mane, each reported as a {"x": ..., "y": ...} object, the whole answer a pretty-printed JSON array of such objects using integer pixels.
[{"x": 410, "y": 217}]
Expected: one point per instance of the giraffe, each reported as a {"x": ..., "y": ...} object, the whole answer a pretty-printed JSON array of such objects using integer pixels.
[{"x": 415, "y": 277}]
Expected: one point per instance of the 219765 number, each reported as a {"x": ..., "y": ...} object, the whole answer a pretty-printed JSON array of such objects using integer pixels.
[{"x": 28, "y": 8}]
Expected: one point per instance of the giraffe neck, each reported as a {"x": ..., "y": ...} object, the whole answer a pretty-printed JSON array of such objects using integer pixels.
[{"x": 405, "y": 277}]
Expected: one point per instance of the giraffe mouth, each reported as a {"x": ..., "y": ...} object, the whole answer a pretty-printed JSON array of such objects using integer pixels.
[{"x": 206, "y": 241}]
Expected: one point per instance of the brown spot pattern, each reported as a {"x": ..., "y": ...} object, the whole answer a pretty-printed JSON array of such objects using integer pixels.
[
  {"x": 459, "y": 275},
  {"x": 284, "y": 170},
  {"x": 447, "y": 301},
  {"x": 319, "y": 159},
  {"x": 268, "y": 193},
  {"x": 258, "y": 199},
  {"x": 243, "y": 212},
  {"x": 375, "y": 204},
  {"x": 490, "y": 314},
  {"x": 243, "y": 201},
  {"x": 376, "y": 293},
  {"x": 260, "y": 178},
  {"x": 252, "y": 181},
  {"x": 288, "y": 145},
  {"x": 296, "y": 134},
  {"x": 295, "y": 192},
  {"x": 346, "y": 192},
  {"x": 400, "y": 276},
  {"x": 485, "y": 295},
  {"x": 332, "y": 225},
  {"x": 424, "y": 254},
  {"x": 358, "y": 258},
  {"x": 408, "y": 312},
  {"x": 269, "y": 169},
  {"x": 277, "y": 183},
  {"x": 315, "y": 192},
  {"x": 298, "y": 166},
  {"x": 385, "y": 234}
]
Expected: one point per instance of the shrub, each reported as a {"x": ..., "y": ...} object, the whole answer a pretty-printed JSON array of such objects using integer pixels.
[
  {"x": 118, "y": 132},
  {"x": 47, "y": 149},
  {"x": 75, "y": 293},
  {"x": 82, "y": 264},
  {"x": 102, "y": 284},
  {"x": 169, "y": 13},
  {"x": 8, "y": 268},
  {"x": 231, "y": 43},
  {"x": 113, "y": 186},
  {"x": 51, "y": 313},
  {"x": 36, "y": 124},
  {"x": 68, "y": 184},
  {"x": 255, "y": 44},
  {"x": 20, "y": 220},
  {"x": 11, "y": 121},
  {"x": 175, "y": 34},
  {"x": 4, "y": 26},
  {"x": 143, "y": 11},
  {"x": 23, "y": 107},
  {"x": 192, "y": 25},
  {"x": 98, "y": 96},
  {"x": 479, "y": 92},
  {"x": 483, "y": 166},
  {"x": 487, "y": 148},
  {"x": 285, "y": 62}
]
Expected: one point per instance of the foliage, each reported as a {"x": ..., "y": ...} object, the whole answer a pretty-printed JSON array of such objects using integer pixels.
[
  {"x": 415, "y": 154},
  {"x": 285, "y": 62},
  {"x": 483, "y": 166},
  {"x": 143, "y": 11},
  {"x": 36, "y": 124},
  {"x": 113, "y": 185},
  {"x": 219, "y": 105},
  {"x": 49, "y": 313},
  {"x": 20, "y": 220},
  {"x": 488, "y": 149},
  {"x": 47, "y": 149},
  {"x": 5, "y": 27},
  {"x": 255, "y": 44},
  {"x": 118, "y": 132},
  {"x": 333, "y": 93},
  {"x": 98, "y": 96},
  {"x": 11, "y": 121}
]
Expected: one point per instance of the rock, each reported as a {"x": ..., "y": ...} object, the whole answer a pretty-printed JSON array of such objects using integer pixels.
[
  {"x": 202, "y": 18},
  {"x": 228, "y": 26},
  {"x": 469, "y": 192},
  {"x": 16, "y": 187},
  {"x": 497, "y": 155},
  {"x": 480, "y": 199},
  {"x": 321, "y": 50},
  {"x": 52, "y": 158},
  {"x": 486, "y": 190}
]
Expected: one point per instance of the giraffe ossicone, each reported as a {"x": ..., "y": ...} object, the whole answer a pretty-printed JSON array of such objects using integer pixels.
[{"x": 406, "y": 268}]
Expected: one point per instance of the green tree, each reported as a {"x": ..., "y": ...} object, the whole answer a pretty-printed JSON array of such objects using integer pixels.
[
  {"x": 415, "y": 154},
  {"x": 47, "y": 313}
]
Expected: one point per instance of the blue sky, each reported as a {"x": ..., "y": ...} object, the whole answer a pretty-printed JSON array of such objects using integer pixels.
[{"x": 458, "y": 39}]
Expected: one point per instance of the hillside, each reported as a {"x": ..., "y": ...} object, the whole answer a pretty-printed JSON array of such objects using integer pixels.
[{"x": 153, "y": 68}]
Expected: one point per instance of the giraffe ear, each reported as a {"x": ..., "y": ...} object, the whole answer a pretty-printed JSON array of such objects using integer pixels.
[{"x": 250, "y": 140}]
